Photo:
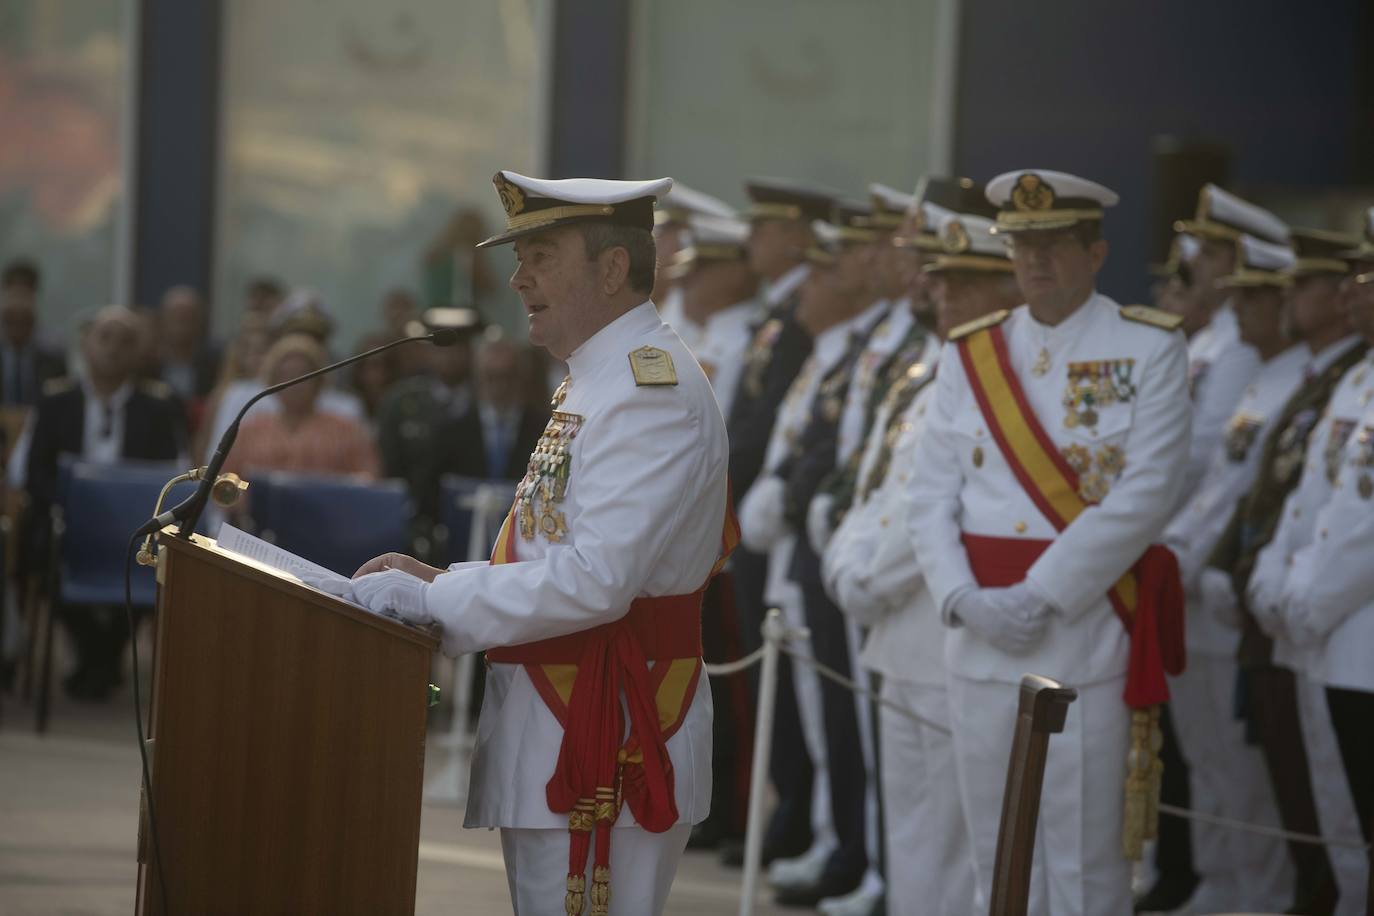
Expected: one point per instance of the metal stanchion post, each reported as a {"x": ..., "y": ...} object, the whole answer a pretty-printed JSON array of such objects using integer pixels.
[{"x": 774, "y": 632}]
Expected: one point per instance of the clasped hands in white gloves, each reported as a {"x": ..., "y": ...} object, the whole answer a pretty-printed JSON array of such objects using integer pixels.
[{"x": 1013, "y": 619}]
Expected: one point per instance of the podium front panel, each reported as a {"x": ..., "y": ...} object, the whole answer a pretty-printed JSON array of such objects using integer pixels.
[{"x": 288, "y": 744}]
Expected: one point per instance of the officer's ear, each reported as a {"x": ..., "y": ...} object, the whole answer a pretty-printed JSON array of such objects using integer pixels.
[
  {"x": 1097, "y": 251},
  {"x": 614, "y": 265}
]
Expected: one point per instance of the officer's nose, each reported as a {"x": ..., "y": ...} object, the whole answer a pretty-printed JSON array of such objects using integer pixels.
[{"x": 520, "y": 280}]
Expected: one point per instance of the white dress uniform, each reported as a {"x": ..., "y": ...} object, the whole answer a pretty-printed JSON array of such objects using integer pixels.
[
  {"x": 1220, "y": 366},
  {"x": 643, "y": 512},
  {"x": 966, "y": 485},
  {"x": 763, "y": 530},
  {"x": 1276, "y": 576},
  {"x": 723, "y": 347},
  {"x": 1227, "y": 776},
  {"x": 871, "y": 571}
]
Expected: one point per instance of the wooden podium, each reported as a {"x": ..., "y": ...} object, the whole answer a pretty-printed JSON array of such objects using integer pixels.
[{"x": 287, "y": 745}]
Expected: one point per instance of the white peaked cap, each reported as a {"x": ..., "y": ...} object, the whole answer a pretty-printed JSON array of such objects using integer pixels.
[
  {"x": 1260, "y": 263},
  {"x": 681, "y": 203},
  {"x": 718, "y": 230},
  {"x": 1223, "y": 215},
  {"x": 1039, "y": 199},
  {"x": 536, "y": 204},
  {"x": 967, "y": 242}
]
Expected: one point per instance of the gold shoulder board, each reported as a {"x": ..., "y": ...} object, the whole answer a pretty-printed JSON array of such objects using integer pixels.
[
  {"x": 1155, "y": 318},
  {"x": 59, "y": 385},
  {"x": 977, "y": 324},
  {"x": 652, "y": 366}
]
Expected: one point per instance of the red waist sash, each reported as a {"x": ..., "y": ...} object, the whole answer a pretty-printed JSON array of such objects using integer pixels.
[
  {"x": 664, "y": 627},
  {"x": 1155, "y": 629}
]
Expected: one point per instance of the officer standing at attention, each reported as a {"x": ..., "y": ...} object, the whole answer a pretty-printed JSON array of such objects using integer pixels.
[
  {"x": 1220, "y": 365},
  {"x": 780, "y": 215},
  {"x": 1048, "y": 466},
  {"x": 872, "y": 574},
  {"x": 598, "y": 571},
  {"x": 1236, "y": 870}
]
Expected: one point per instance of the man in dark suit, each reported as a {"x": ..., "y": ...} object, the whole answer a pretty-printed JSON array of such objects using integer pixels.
[
  {"x": 105, "y": 417},
  {"x": 188, "y": 361},
  {"x": 780, "y": 216},
  {"x": 25, "y": 365},
  {"x": 503, "y": 429}
]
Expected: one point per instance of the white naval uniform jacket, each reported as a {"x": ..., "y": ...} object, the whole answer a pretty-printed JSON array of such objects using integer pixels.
[
  {"x": 871, "y": 570},
  {"x": 644, "y": 508},
  {"x": 723, "y": 348},
  {"x": 966, "y": 485},
  {"x": 1332, "y": 578},
  {"x": 1351, "y": 397},
  {"x": 1220, "y": 366},
  {"x": 1193, "y": 533}
]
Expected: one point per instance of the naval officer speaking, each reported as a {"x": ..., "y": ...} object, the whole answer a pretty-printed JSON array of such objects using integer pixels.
[{"x": 591, "y": 604}]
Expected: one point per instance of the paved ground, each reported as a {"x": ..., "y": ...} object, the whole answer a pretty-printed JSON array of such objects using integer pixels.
[{"x": 68, "y": 809}]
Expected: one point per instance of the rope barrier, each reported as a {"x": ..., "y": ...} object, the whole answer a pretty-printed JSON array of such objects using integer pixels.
[
  {"x": 825, "y": 671},
  {"x": 1276, "y": 832},
  {"x": 725, "y": 669}
]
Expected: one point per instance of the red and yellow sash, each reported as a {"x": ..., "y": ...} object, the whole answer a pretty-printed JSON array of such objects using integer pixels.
[
  {"x": 581, "y": 677},
  {"x": 1148, "y": 598}
]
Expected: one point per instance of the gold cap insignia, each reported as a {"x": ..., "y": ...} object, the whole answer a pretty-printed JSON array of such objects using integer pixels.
[
  {"x": 955, "y": 237},
  {"x": 1031, "y": 193},
  {"x": 512, "y": 198},
  {"x": 652, "y": 366}
]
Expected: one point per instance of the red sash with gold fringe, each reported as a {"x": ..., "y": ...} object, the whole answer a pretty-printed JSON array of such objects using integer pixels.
[{"x": 581, "y": 677}]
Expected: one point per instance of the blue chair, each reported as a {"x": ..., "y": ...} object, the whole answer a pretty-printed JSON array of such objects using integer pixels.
[
  {"x": 456, "y": 497},
  {"x": 98, "y": 508},
  {"x": 337, "y": 522}
]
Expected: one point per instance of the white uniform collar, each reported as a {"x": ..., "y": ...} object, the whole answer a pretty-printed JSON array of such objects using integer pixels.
[
  {"x": 1070, "y": 326},
  {"x": 731, "y": 314},
  {"x": 785, "y": 285},
  {"x": 1330, "y": 353},
  {"x": 611, "y": 341}
]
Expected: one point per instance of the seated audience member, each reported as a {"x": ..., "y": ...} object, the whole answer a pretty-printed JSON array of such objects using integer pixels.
[
  {"x": 25, "y": 364},
  {"x": 303, "y": 312},
  {"x": 372, "y": 378},
  {"x": 188, "y": 362},
  {"x": 400, "y": 312},
  {"x": 262, "y": 296},
  {"x": 298, "y": 435},
  {"x": 104, "y": 417},
  {"x": 238, "y": 381},
  {"x": 504, "y": 428}
]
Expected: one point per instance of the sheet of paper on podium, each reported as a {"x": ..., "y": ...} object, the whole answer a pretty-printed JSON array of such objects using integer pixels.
[{"x": 270, "y": 555}]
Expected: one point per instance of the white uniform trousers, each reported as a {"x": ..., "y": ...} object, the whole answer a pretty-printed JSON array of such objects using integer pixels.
[
  {"x": 929, "y": 868},
  {"x": 642, "y": 868},
  {"x": 1335, "y": 805},
  {"x": 1078, "y": 868},
  {"x": 1227, "y": 778}
]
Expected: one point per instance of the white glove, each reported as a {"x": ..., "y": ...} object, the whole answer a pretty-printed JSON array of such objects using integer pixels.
[
  {"x": 818, "y": 528},
  {"x": 1012, "y": 619},
  {"x": 337, "y": 586},
  {"x": 1218, "y": 597},
  {"x": 760, "y": 514},
  {"x": 393, "y": 591},
  {"x": 1299, "y": 623}
]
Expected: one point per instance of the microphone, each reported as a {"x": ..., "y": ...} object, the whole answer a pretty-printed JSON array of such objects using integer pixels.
[{"x": 187, "y": 512}]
